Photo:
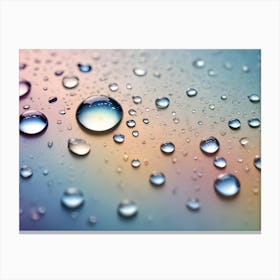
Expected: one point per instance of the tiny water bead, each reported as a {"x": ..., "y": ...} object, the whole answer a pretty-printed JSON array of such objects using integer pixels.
[
  {"x": 244, "y": 141},
  {"x": 135, "y": 163},
  {"x": 140, "y": 72},
  {"x": 84, "y": 67},
  {"x": 58, "y": 72},
  {"x": 211, "y": 73},
  {"x": 234, "y": 123},
  {"x": 254, "y": 122},
  {"x": 127, "y": 208},
  {"x": 113, "y": 87},
  {"x": 137, "y": 99},
  {"x": 198, "y": 63},
  {"x": 92, "y": 220},
  {"x": 146, "y": 121},
  {"x": 162, "y": 103},
  {"x": 32, "y": 122},
  {"x": 257, "y": 162},
  {"x": 118, "y": 138},
  {"x": 42, "y": 210},
  {"x": 22, "y": 66},
  {"x": 227, "y": 185},
  {"x": 254, "y": 98},
  {"x": 245, "y": 68},
  {"x": 52, "y": 99},
  {"x": 157, "y": 178},
  {"x": 193, "y": 204},
  {"x": 135, "y": 133},
  {"x": 24, "y": 88},
  {"x": 78, "y": 146},
  {"x": 45, "y": 172},
  {"x": 99, "y": 113},
  {"x": 220, "y": 162},
  {"x": 26, "y": 172},
  {"x": 70, "y": 82},
  {"x": 132, "y": 112},
  {"x": 72, "y": 198},
  {"x": 26, "y": 107},
  {"x": 131, "y": 123},
  {"x": 128, "y": 86},
  {"x": 224, "y": 97},
  {"x": 191, "y": 92},
  {"x": 209, "y": 145},
  {"x": 167, "y": 147}
]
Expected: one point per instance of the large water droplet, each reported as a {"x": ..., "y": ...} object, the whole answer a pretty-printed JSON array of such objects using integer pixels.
[
  {"x": 209, "y": 145},
  {"x": 137, "y": 99},
  {"x": 227, "y": 185},
  {"x": 257, "y": 162},
  {"x": 220, "y": 162},
  {"x": 25, "y": 172},
  {"x": 255, "y": 122},
  {"x": 140, "y": 72},
  {"x": 162, "y": 103},
  {"x": 135, "y": 163},
  {"x": 113, "y": 87},
  {"x": 70, "y": 82},
  {"x": 244, "y": 141},
  {"x": 78, "y": 146},
  {"x": 118, "y": 138},
  {"x": 72, "y": 198},
  {"x": 99, "y": 113},
  {"x": 24, "y": 88},
  {"x": 127, "y": 208},
  {"x": 193, "y": 204},
  {"x": 234, "y": 123},
  {"x": 191, "y": 92},
  {"x": 131, "y": 123},
  {"x": 254, "y": 98},
  {"x": 32, "y": 122},
  {"x": 84, "y": 67},
  {"x": 198, "y": 63},
  {"x": 157, "y": 178},
  {"x": 167, "y": 147}
]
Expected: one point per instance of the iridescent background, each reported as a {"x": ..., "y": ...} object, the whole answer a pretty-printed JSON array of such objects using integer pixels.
[{"x": 106, "y": 176}]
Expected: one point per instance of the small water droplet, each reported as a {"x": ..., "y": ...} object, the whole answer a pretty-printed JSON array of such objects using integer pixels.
[
  {"x": 157, "y": 178},
  {"x": 59, "y": 122},
  {"x": 24, "y": 88},
  {"x": 257, "y": 162},
  {"x": 113, "y": 87},
  {"x": 99, "y": 113},
  {"x": 146, "y": 121},
  {"x": 227, "y": 185},
  {"x": 127, "y": 209},
  {"x": 254, "y": 98},
  {"x": 42, "y": 210},
  {"x": 140, "y": 72},
  {"x": 224, "y": 97},
  {"x": 191, "y": 92},
  {"x": 162, "y": 103},
  {"x": 132, "y": 112},
  {"x": 245, "y": 68},
  {"x": 125, "y": 157},
  {"x": 52, "y": 99},
  {"x": 25, "y": 172},
  {"x": 45, "y": 172},
  {"x": 92, "y": 220},
  {"x": 131, "y": 123},
  {"x": 128, "y": 86},
  {"x": 135, "y": 163},
  {"x": 78, "y": 146},
  {"x": 198, "y": 63},
  {"x": 211, "y": 106},
  {"x": 137, "y": 99},
  {"x": 244, "y": 141},
  {"x": 135, "y": 133},
  {"x": 32, "y": 122},
  {"x": 72, "y": 198},
  {"x": 254, "y": 122},
  {"x": 193, "y": 204},
  {"x": 118, "y": 138},
  {"x": 176, "y": 120},
  {"x": 220, "y": 162},
  {"x": 50, "y": 144},
  {"x": 26, "y": 107},
  {"x": 211, "y": 73},
  {"x": 234, "y": 124},
  {"x": 156, "y": 74},
  {"x": 167, "y": 147},
  {"x": 70, "y": 82},
  {"x": 209, "y": 145},
  {"x": 58, "y": 72},
  {"x": 84, "y": 67}
]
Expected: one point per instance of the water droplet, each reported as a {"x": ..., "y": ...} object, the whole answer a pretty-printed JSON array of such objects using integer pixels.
[
  {"x": 78, "y": 146},
  {"x": 50, "y": 144},
  {"x": 156, "y": 74},
  {"x": 220, "y": 162},
  {"x": 131, "y": 123},
  {"x": 257, "y": 162},
  {"x": 32, "y": 122},
  {"x": 24, "y": 88},
  {"x": 244, "y": 141},
  {"x": 157, "y": 178},
  {"x": 45, "y": 172},
  {"x": 146, "y": 121},
  {"x": 70, "y": 82},
  {"x": 209, "y": 145},
  {"x": 193, "y": 204},
  {"x": 22, "y": 66},
  {"x": 135, "y": 133},
  {"x": 62, "y": 112},
  {"x": 25, "y": 172},
  {"x": 211, "y": 73},
  {"x": 234, "y": 124},
  {"x": 137, "y": 99},
  {"x": 72, "y": 198},
  {"x": 254, "y": 98},
  {"x": 92, "y": 220},
  {"x": 99, "y": 113},
  {"x": 52, "y": 99},
  {"x": 167, "y": 147},
  {"x": 127, "y": 209},
  {"x": 113, "y": 87},
  {"x": 42, "y": 210},
  {"x": 84, "y": 67},
  {"x": 211, "y": 106},
  {"x": 162, "y": 103},
  {"x": 125, "y": 157},
  {"x": 224, "y": 97},
  {"x": 26, "y": 107},
  {"x": 140, "y": 72},
  {"x": 198, "y": 63},
  {"x": 255, "y": 122},
  {"x": 128, "y": 86},
  {"x": 132, "y": 112},
  {"x": 191, "y": 92},
  {"x": 200, "y": 122},
  {"x": 118, "y": 138},
  {"x": 227, "y": 185},
  {"x": 176, "y": 120},
  {"x": 59, "y": 122},
  {"x": 228, "y": 65},
  {"x": 245, "y": 68},
  {"x": 59, "y": 72},
  {"x": 135, "y": 163}
]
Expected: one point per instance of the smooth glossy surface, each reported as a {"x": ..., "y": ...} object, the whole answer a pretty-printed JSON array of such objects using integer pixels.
[
  {"x": 137, "y": 99},
  {"x": 26, "y": 172},
  {"x": 234, "y": 123},
  {"x": 131, "y": 123},
  {"x": 193, "y": 204},
  {"x": 140, "y": 72},
  {"x": 257, "y": 162},
  {"x": 24, "y": 88},
  {"x": 135, "y": 163},
  {"x": 84, "y": 67},
  {"x": 254, "y": 98},
  {"x": 198, "y": 63},
  {"x": 191, "y": 92},
  {"x": 118, "y": 138},
  {"x": 220, "y": 162},
  {"x": 254, "y": 122},
  {"x": 113, "y": 87},
  {"x": 167, "y": 147}
]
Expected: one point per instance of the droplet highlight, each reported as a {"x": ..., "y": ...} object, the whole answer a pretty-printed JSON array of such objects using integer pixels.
[
  {"x": 257, "y": 162},
  {"x": 193, "y": 204},
  {"x": 24, "y": 88},
  {"x": 254, "y": 122},
  {"x": 140, "y": 72},
  {"x": 254, "y": 98},
  {"x": 135, "y": 163},
  {"x": 113, "y": 87},
  {"x": 70, "y": 82},
  {"x": 118, "y": 138},
  {"x": 220, "y": 162},
  {"x": 234, "y": 124},
  {"x": 127, "y": 209},
  {"x": 26, "y": 172},
  {"x": 85, "y": 68},
  {"x": 191, "y": 92}
]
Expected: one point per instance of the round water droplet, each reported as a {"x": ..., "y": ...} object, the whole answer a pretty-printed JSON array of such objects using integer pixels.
[
  {"x": 209, "y": 145},
  {"x": 62, "y": 112},
  {"x": 84, "y": 67},
  {"x": 132, "y": 112},
  {"x": 24, "y": 88},
  {"x": 234, "y": 123},
  {"x": 135, "y": 133},
  {"x": 193, "y": 204},
  {"x": 58, "y": 72},
  {"x": 70, "y": 82},
  {"x": 200, "y": 122},
  {"x": 211, "y": 106},
  {"x": 254, "y": 98},
  {"x": 198, "y": 63},
  {"x": 26, "y": 107},
  {"x": 146, "y": 121},
  {"x": 157, "y": 178},
  {"x": 167, "y": 147},
  {"x": 135, "y": 163},
  {"x": 22, "y": 66},
  {"x": 72, "y": 198},
  {"x": 191, "y": 92},
  {"x": 92, "y": 220},
  {"x": 140, "y": 72},
  {"x": 220, "y": 162},
  {"x": 32, "y": 122},
  {"x": 42, "y": 210},
  {"x": 128, "y": 86},
  {"x": 99, "y": 113},
  {"x": 244, "y": 141},
  {"x": 255, "y": 122},
  {"x": 25, "y": 172},
  {"x": 113, "y": 87},
  {"x": 78, "y": 146},
  {"x": 127, "y": 209},
  {"x": 45, "y": 172},
  {"x": 137, "y": 99},
  {"x": 131, "y": 123},
  {"x": 52, "y": 99},
  {"x": 50, "y": 144},
  {"x": 118, "y": 138},
  {"x": 162, "y": 103},
  {"x": 245, "y": 68},
  {"x": 227, "y": 185},
  {"x": 211, "y": 73},
  {"x": 257, "y": 162},
  {"x": 224, "y": 97}
]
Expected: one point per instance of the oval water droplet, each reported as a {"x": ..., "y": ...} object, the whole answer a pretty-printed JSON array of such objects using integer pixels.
[
  {"x": 131, "y": 123},
  {"x": 78, "y": 146},
  {"x": 140, "y": 72},
  {"x": 84, "y": 67},
  {"x": 220, "y": 162},
  {"x": 22, "y": 66},
  {"x": 244, "y": 141},
  {"x": 254, "y": 98},
  {"x": 24, "y": 88},
  {"x": 257, "y": 162},
  {"x": 118, "y": 138},
  {"x": 72, "y": 198},
  {"x": 211, "y": 106},
  {"x": 127, "y": 209},
  {"x": 162, "y": 103},
  {"x": 128, "y": 86},
  {"x": 191, "y": 92},
  {"x": 52, "y": 99},
  {"x": 99, "y": 113},
  {"x": 135, "y": 163},
  {"x": 45, "y": 172},
  {"x": 193, "y": 204},
  {"x": 58, "y": 72},
  {"x": 224, "y": 97},
  {"x": 234, "y": 124},
  {"x": 198, "y": 63},
  {"x": 157, "y": 178},
  {"x": 146, "y": 121},
  {"x": 113, "y": 87},
  {"x": 137, "y": 99},
  {"x": 254, "y": 122},
  {"x": 70, "y": 82},
  {"x": 167, "y": 147},
  {"x": 32, "y": 122},
  {"x": 209, "y": 145},
  {"x": 135, "y": 133},
  {"x": 227, "y": 185},
  {"x": 245, "y": 68},
  {"x": 211, "y": 73},
  {"x": 132, "y": 112},
  {"x": 25, "y": 172},
  {"x": 42, "y": 210}
]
